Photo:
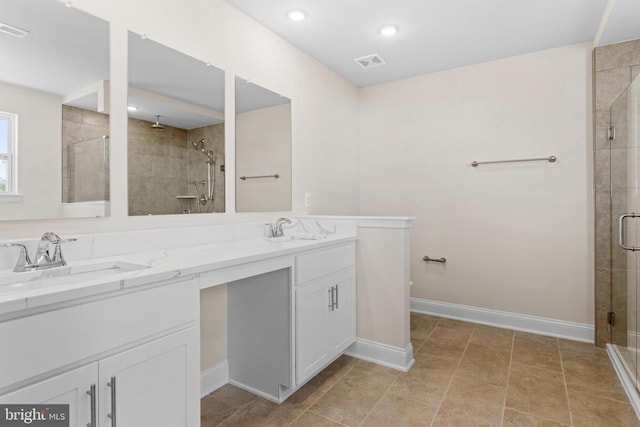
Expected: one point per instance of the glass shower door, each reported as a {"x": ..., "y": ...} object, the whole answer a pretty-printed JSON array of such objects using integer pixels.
[{"x": 625, "y": 223}]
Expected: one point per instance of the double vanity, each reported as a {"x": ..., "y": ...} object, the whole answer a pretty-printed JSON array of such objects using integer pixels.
[{"x": 118, "y": 337}]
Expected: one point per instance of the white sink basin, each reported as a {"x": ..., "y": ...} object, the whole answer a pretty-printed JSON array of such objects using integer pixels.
[
  {"x": 300, "y": 236},
  {"x": 69, "y": 274}
]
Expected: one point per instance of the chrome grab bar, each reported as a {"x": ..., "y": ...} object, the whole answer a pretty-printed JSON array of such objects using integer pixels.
[
  {"x": 621, "y": 232},
  {"x": 275, "y": 175},
  {"x": 441, "y": 260},
  {"x": 550, "y": 159}
]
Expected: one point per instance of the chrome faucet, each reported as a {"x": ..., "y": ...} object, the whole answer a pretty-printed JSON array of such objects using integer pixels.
[
  {"x": 276, "y": 228},
  {"x": 43, "y": 258}
]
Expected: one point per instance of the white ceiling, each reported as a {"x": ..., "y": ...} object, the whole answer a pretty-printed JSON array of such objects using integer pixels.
[
  {"x": 66, "y": 50},
  {"x": 433, "y": 35},
  {"x": 623, "y": 22}
]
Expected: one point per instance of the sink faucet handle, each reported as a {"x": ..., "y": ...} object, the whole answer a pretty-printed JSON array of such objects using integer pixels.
[
  {"x": 23, "y": 259},
  {"x": 57, "y": 252}
]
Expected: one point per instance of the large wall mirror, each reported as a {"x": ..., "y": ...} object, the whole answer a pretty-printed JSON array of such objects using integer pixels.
[
  {"x": 54, "y": 110},
  {"x": 176, "y": 132},
  {"x": 263, "y": 149}
]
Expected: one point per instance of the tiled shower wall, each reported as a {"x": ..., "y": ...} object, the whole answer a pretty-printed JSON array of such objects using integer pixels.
[
  {"x": 163, "y": 164},
  {"x": 614, "y": 68},
  {"x": 83, "y": 155}
]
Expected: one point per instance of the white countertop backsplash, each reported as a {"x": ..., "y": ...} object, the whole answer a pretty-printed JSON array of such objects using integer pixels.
[{"x": 169, "y": 253}]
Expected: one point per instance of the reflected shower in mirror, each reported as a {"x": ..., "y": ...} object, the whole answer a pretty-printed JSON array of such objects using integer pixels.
[
  {"x": 176, "y": 132},
  {"x": 263, "y": 149},
  {"x": 54, "y": 97}
]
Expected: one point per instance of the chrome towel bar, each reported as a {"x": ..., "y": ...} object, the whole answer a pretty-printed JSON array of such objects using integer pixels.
[
  {"x": 427, "y": 258},
  {"x": 275, "y": 175},
  {"x": 550, "y": 159}
]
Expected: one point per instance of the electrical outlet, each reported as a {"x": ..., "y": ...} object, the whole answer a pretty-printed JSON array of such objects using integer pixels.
[{"x": 307, "y": 200}]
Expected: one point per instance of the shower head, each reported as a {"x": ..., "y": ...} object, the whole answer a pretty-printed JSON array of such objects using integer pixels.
[
  {"x": 157, "y": 124},
  {"x": 198, "y": 144}
]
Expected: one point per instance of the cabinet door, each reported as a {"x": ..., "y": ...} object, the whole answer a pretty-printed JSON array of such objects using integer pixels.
[
  {"x": 341, "y": 327},
  {"x": 68, "y": 389},
  {"x": 312, "y": 310},
  {"x": 156, "y": 384}
]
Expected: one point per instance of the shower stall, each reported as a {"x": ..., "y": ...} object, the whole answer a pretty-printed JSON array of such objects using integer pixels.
[
  {"x": 86, "y": 170},
  {"x": 624, "y": 214}
]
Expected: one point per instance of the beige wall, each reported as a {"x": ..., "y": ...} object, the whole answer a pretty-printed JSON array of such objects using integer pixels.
[
  {"x": 39, "y": 153},
  {"x": 213, "y": 326},
  {"x": 263, "y": 147},
  {"x": 517, "y": 237}
]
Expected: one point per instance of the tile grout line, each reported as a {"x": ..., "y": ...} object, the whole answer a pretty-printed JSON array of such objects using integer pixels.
[
  {"x": 309, "y": 407},
  {"x": 506, "y": 394},
  {"x": 564, "y": 381},
  {"x": 235, "y": 412},
  {"x": 433, "y": 420},
  {"x": 379, "y": 400}
]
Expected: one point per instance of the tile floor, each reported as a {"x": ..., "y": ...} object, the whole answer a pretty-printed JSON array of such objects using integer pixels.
[{"x": 465, "y": 375}]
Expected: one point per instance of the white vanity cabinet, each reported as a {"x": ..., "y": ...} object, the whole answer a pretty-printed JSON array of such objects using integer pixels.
[
  {"x": 325, "y": 308},
  {"x": 139, "y": 349},
  {"x": 73, "y": 388}
]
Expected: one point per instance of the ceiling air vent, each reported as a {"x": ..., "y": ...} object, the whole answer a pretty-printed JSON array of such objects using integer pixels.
[
  {"x": 12, "y": 31},
  {"x": 370, "y": 61}
]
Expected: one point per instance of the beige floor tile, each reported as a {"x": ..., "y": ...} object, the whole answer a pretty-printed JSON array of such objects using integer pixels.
[
  {"x": 396, "y": 411},
  {"x": 592, "y": 373},
  {"x": 537, "y": 351},
  {"x": 568, "y": 348},
  {"x": 261, "y": 412},
  {"x": 452, "y": 419},
  {"x": 309, "y": 419},
  {"x": 513, "y": 418},
  {"x": 223, "y": 403},
  {"x": 488, "y": 335},
  {"x": 486, "y": 363},
  {"x": 539, "y": 392},
  {"x": 329, "y": 376},
  {"x": 421, "y": 326},
  {"x": 456, "y": 324},
  {"x": 479, "y": 400},
  {"x": 444, "y": 342},
  {"x": 591, "y": 410},
  {"x": 351, "y": 399},
  {"x": 427, "y": 381}
]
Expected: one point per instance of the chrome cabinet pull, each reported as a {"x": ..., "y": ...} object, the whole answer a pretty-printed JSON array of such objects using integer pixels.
[
  {"x": 92, "y": 392},
  {"x": 112, "y": 414},
  {"x": 621, "y": 230},
  {"x": 330, "y": 290},
  {"x": 337, "y": 294}
]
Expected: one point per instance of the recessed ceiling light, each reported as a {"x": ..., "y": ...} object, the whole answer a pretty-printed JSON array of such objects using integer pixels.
[
  {"x": 297, "y": 15},
  {"x": 388, "y": 30},
  {"x": 132, "y": 108}
]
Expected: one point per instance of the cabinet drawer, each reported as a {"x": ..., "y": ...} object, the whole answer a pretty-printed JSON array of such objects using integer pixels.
[
  {"x": 43, "y": 342},
  {"x": 320, "y": 263}
]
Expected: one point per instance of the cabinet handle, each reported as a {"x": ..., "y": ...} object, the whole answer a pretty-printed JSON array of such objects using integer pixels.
[
  {"x": 112, "y": 415},
  {"x": 92, "y": 392},
  {"x": 337, "y": 293},
  {"x": 330, "y": 290}
]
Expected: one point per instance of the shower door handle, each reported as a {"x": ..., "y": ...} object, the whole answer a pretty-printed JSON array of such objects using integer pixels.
[{"x": 621, "y": 230}]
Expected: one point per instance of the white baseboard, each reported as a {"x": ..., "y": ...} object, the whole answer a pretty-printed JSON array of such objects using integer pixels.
[
  {"x": 214, "y": 378},
  {"x": 520, "y": 322},
  {"x": 382, "y": 354},
  {"x": 628, "y": 384}
]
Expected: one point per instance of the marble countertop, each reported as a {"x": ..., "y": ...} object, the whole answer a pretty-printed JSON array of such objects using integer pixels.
[{"x": 161, "y": 265}]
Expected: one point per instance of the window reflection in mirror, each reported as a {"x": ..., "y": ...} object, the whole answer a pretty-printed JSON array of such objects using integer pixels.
[
  {"x": 175, "y": 132},
  {"x": 54, "y": 81},
  {"x": 263, "y": 149}
]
